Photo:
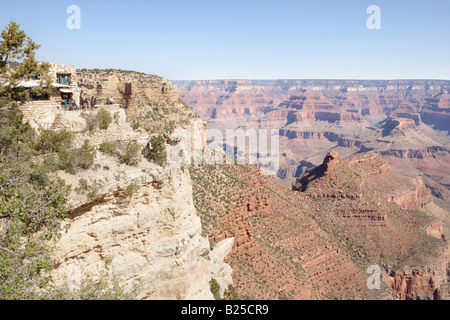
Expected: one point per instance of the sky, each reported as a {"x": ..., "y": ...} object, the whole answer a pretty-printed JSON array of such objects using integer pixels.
[{"x": 243, "y": 39}]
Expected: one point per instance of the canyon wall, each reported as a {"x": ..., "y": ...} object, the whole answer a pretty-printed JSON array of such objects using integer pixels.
[
  {"x": 135, "y": 222},
  {"x": 132, "y": 89},
  {"x": 317, "y": 242},
  {"x": 153, "y": 235},
  {"x": 402, "y": 120}
]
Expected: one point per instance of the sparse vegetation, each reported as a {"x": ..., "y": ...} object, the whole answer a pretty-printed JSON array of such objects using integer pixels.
[
  {"x": 135, "y": 125},
  {"x": 82, "y": 158},
  {"x": 132, "y": 154},
  {"x": 156, "y": 152},
  {"x": 54, "y": 141},
  {"x": 102, "y": 287},
  {"x": 131, "y": 189},
  {"x": 104, "y": 119},
  {"x": 215, "y": 288},
  {"x": 91, "y": 189},
  {"x": 109, "y": 147},
  {"x": 228, "y": 294},
  {"x": 97, "y": 120},
  {"x": 126, "y": 152},
  {"x": 116, "y": 117}
]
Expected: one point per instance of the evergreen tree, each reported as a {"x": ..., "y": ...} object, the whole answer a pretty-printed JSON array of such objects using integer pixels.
[
  {"x": 32, "y": 197},
  {"x": 18, "y": 63},
  {"x": 156, "y": 150}
]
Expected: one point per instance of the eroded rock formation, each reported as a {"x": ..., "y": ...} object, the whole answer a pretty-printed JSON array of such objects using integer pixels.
[
  {"x": 138, "y": 222},
  {"x": 319, "y": 241},
  {"x": 405, "y": 121}
]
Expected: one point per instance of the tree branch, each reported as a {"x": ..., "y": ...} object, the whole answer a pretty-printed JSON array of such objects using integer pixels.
[{"x": 7, "y": 250}]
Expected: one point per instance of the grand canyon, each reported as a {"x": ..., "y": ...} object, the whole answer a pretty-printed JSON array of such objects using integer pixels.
[
  {"x": 123, "y": 185},
  {"x": 363, "y": 164},
  {"x": 407, "y": 122},
  {"x": 362, "y": 182}
]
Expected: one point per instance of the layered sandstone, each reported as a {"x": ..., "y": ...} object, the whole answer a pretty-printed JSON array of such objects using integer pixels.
[
  {"x": 126, "y": 87},
  {"x": 402, "y": 120},
  {"x": 317, "y": 243},
  {"x": 138, "y": 222},
  {"x": 400, "y": 228}
]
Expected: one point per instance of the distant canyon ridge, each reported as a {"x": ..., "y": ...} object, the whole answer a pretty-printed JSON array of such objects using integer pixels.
[{"x": 407, "y": 122}]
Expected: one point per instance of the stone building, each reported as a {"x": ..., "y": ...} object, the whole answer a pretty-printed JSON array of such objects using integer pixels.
[
  {"x": 66, "y": 84},
  {"x": 42, "y": 110},
  {"x": 64, "y": 80}
]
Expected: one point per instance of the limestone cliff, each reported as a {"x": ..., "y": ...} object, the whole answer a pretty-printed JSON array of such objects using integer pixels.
[
  {"x": 127, "y": 87},
  {"x": 154, "y": 234},
  {"x": 139, "y": 222}
]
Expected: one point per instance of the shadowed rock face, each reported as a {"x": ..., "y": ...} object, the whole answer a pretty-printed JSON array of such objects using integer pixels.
[
  {"x": 317, "y": 242},
  {"x": 405, "y": 121},
  {"x": 331, "y": 159}
]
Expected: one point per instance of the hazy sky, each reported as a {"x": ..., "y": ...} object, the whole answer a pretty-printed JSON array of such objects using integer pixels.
[{"x": 244, "y": 39}]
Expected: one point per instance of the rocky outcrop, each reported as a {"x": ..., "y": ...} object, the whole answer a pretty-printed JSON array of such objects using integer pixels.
[
  {"x": 413, "y": 199},
  {"x": 421, "y": 283},
  {"x": 139, "y": 222},
  {"x": 152, "y": 234},
  {"x": 330, "y": 161},
  {"x": 129, "y": 88}
]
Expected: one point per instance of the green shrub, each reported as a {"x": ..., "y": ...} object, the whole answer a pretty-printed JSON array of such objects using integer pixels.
[
  {"x": 84, "y": 186},
  {"x": 15, "y": 136},
  {"x": 157, "y": 150},
  {"x": 109, "y": 147},
  {"x": 128, "y": 153},
  {"x": 131, "y": 189},
  {"x": 135, "y": 125},
  {"x": 100, "y": 120},
  {"x": 104, "y": 119},
  {"x": 91, "y": 122},
  {"x": 131, "y": 155},
  {"x": 82, "y": 158},
  {"x": 215, "y": 288},
  {"x": 54, "y": 141},
  {"x": 230, "y": 293},
  {"x": 91, "y": 189}
]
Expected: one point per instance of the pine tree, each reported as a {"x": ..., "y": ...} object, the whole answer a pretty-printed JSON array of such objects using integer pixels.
[{"x": 18, "y": 63}]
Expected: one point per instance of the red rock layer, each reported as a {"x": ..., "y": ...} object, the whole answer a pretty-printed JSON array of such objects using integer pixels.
[{"x": 318, "y": 243}]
